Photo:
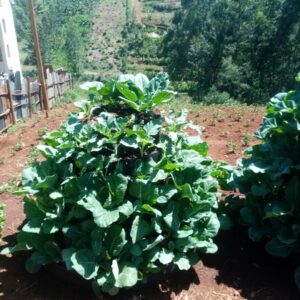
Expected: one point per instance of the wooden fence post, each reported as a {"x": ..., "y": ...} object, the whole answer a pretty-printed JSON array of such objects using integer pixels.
[
  {"x": 41, "y": 98},
  {"x": 29, "y": 97},
  {"x": 44, "y": 90},
  {"x": 11, "y": 103}
]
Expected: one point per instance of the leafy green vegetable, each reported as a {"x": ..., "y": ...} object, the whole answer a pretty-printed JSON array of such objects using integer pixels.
[
  {"x": 270, "y": 179},
  {"x": 122, "y": 192}
]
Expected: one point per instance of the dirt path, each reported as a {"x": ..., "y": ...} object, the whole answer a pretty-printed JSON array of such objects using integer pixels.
[{"x": 138, "y": 13}]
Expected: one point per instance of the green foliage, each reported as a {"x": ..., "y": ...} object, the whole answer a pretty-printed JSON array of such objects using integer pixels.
[
  {"x": 270, "y": 180},
  {"x": 216, "y": 97},
  {"x": 1, "y": 219},
  {"x": 244, "y": 48},
  {"x": 123, "y": 191},
  {"x": 64, "y": 30}
]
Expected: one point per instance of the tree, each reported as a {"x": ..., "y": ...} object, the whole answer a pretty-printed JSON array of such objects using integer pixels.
[{"x": 246, "y": 48}]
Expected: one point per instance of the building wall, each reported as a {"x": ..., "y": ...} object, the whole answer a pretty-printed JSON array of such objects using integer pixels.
[{"x": 10, "y": 59}]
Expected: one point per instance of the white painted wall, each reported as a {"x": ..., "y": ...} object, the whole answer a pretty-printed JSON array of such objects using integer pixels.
[{"x": 8, "y": 40}]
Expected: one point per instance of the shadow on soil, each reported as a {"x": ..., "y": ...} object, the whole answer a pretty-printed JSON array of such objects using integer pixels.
[
  {"x": 16, "y": 283},
  {"x": 246, "y": 267},
  {"x": 241, "y": 264}
]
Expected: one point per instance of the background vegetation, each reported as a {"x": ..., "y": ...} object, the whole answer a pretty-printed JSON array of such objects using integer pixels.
[
  {"x": 247, "y": 49},
  {"x": 64, "y": 30},
  {"x": 216, "y": 50}
]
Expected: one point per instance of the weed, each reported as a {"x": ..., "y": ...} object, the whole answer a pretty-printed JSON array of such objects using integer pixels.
[
  {"x": 231, "y": 147},
  {"x": 33, "y": 155},
  {"x": 42, "y": 131},
  {"x": 12, "y": 129},
  {"x": 246, "y": 140},
  {"x": 9, "y": 187},
  {"x": 238, "y": 118},
  {"x": 16, "y": 148}
]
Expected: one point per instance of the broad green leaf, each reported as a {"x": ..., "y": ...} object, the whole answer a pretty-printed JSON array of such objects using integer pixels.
[
  {"x": 260, "y": 190},
  {"x": 126, "y": 209},
  {"x": 97, "y": 241},
  {"x": 182, "y": 262},
  {"x": 66, "y": 256},
  {"x": 117, "y": 186},
  {"x": 128, "y": 276},
  {"x": 277, "y": 209},
  {"x": 32, "y": 209},
  {"x": 213, "y": 226},
  {"x": 84, "y": 263},
  {"x": 56, "y": 195},
  {"x": 36, "y": 261},
  {"x": 126, "y": 92},
  {"x": 102, "y": 217},
  {"x": 50, "y": 226},
  {"x": 171, "y": 218},
  {"x": 115, "y": 239},
  {"x": 225, "y": 222},
  {"x": 154, "y": 243},
  {"x": 277, "y": 248},
  {"x": 159, "y": 175},
  {"x": 162, "y": 97},
  {"x": 139, "y": 229},
  {"x": 47, "y": 151},
  {"x": 143, "y": 190},
  {"x": 33, "y": 226},
  {"x": 166, "y": 256}
]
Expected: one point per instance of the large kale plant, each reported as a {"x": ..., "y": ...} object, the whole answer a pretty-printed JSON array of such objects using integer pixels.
[
  {"x": 123, "y": 190},
  {"x": 269, "y": 179}
]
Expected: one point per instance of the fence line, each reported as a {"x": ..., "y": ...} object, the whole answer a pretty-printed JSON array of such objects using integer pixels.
[{"x": 16, "y": 104}]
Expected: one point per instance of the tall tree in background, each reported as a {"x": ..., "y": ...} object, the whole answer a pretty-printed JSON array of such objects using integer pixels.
[
  {"x": 64, "y": 29},
  {"x": 247, "y": 48}
]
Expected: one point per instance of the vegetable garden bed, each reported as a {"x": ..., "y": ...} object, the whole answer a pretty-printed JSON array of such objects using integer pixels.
[{"x": 226, "y": 275}]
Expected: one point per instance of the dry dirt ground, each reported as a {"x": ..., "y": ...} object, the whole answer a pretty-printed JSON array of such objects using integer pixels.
[{"x": 240, "y": 270}]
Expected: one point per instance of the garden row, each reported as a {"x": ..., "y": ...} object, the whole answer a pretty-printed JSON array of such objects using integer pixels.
[{"x": 126, "y": 191}]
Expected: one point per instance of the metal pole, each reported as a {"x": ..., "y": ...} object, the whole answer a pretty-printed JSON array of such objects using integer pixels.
[{"x": 39, "y": 58}]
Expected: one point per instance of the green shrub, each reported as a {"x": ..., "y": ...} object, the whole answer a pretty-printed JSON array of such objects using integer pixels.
[
  {"x": 216, "y": 97},
  {"x": 270, "y": 180},
  {"x": 123, "y": 191}
]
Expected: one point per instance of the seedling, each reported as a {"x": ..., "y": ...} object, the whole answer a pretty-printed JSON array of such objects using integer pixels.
[
  {"x": 17, "y": 147},
  {"x": 231, "y": 147},
  {"x": 42, "y": 131},
  {"x": 246, "y": 140},
  {"x": 238, "y": 118}
]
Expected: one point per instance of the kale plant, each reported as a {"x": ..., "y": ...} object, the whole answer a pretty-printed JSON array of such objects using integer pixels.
[
  {"x": 270, "y": 180},
  {"x": 123, "y": 190}
]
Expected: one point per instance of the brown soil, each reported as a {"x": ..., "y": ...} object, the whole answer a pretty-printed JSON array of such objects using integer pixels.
[{"x": 240, "y": 270}]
